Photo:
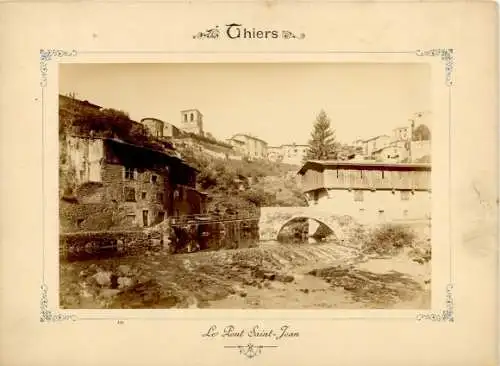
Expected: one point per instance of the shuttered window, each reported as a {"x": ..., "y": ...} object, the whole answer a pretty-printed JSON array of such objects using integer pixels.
[
  {"x": 358, "y": 196},
  {"x": 405, "y": 195}
]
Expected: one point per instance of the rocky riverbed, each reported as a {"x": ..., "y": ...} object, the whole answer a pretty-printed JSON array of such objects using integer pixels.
[{"x": 270, "y": 276}]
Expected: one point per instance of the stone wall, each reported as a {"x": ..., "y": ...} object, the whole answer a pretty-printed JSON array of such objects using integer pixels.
[
  {"x": 420, "y": 149},
  {"x": 213, "y": 149},
  {"x": 86, "y": 245},
  {"x": 167, "y": 236}
]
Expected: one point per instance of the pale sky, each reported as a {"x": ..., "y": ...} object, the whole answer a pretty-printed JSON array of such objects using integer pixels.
[{"x": 277, "y": 102}]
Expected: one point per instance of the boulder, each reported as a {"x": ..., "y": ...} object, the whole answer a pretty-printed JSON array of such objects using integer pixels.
[
  {"x": 108, "y": 292},
  {"x": 285, "y": 278},
  {"x": 124, "y": 270},
  {"x": 103, "y": 278},
  {"x": 124, "y": 282}
]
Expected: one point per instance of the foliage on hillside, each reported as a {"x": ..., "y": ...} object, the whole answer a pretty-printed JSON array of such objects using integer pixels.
[
  {"x": 75, "y": 118},
  {"x": 421, "y": 133},
  {"x": 233, "y": 185},
  {"x": 240, "y": 185}
]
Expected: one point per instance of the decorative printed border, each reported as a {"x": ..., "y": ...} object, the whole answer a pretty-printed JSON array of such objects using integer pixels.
[
  {"x": 48, "y": 315},
  {"x": 212, "y": 33},
  {"x": 250, "y": 350},
  {"x": 445, "y": 315},
  {"x": 447, "y": 55},
  {"x": 286, "y": 34},
  {"x": 46, "y": 56}
]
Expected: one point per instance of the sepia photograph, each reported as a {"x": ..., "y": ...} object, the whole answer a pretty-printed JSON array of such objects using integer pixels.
[{"x": 245, "y": 185}]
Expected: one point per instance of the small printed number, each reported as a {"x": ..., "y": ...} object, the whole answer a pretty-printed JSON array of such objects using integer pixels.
[{"x": 120, "y": 322}]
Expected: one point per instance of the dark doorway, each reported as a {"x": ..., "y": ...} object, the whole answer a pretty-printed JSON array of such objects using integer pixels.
[{"x": 145, "y": 217}]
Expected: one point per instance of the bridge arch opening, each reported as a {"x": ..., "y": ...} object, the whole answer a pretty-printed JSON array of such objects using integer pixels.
[{"x": 297, "y": 229}]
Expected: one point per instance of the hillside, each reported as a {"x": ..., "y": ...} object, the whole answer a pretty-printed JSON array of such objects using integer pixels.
[
  {"x": 243, "y": 186},
  {"x": 234, "y": 186}
]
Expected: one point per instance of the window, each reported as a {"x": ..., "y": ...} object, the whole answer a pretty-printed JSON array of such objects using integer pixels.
[
  {"x": 130, "y": 218},
  {"x": 161, "y": 216},
  {"x": 316, "y": 197},
  {"x": 129, "y": 173},
  {"x": 185, "y": 118},
  {"x": 154, "y": 179},
  {"x": 405, "y": 195},
  {"x": 192, "y": 117},
  {"x": 143, "y": 195},
  {"x": 129, "y": 194},
  {"x": 358, "y": 196},
  {"x": 383, "y": 175}
]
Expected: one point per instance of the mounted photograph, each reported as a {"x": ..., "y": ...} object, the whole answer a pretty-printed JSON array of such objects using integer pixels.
[{"x": 245, "y": 185}]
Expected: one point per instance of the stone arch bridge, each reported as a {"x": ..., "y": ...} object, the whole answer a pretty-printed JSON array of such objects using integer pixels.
[{"x": 273, "y": 219}]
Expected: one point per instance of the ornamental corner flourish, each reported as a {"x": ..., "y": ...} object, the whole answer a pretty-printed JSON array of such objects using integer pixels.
[
  {"x": 45, "y": 56},
  {"x": 47, "y": 315},
  {"x": 446, "y": 315},
  {"x": 447, "y": 55}
]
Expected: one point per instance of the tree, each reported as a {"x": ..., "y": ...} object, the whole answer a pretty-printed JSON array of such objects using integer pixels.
[
  {"x": 322, "y": 145},
  {"x": 421, "y": 133}
]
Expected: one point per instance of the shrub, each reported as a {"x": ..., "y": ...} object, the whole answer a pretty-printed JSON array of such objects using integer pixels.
[
  {"x": 389, "y": 239},
  {"x": 258, "y": 197},
  {"x": 421, "y": 251}
]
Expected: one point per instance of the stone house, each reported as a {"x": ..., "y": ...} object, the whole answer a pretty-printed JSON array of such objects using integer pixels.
[
  {"x": 402, "y": 133},
  {"x": 141, "y": 185},
  {"x": 420, "y": 149},
  {"x": 250, "y": 146},
  {"x": 287, "y": 153},
  {"x": 375, "y": 143},
  {"x": 159, "y": 128},
  {"x": 294, "y": 153},
  {"x": 369, "y": 191},
  {"x": 396, "y": 151},
  {"x": 274, "y": 154},
  {"x": 403, "y": 151},
  {"x": 154, "y": 126}
]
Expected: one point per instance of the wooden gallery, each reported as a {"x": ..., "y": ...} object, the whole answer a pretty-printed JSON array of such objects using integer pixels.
[{"x": 369, "y": 192}]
